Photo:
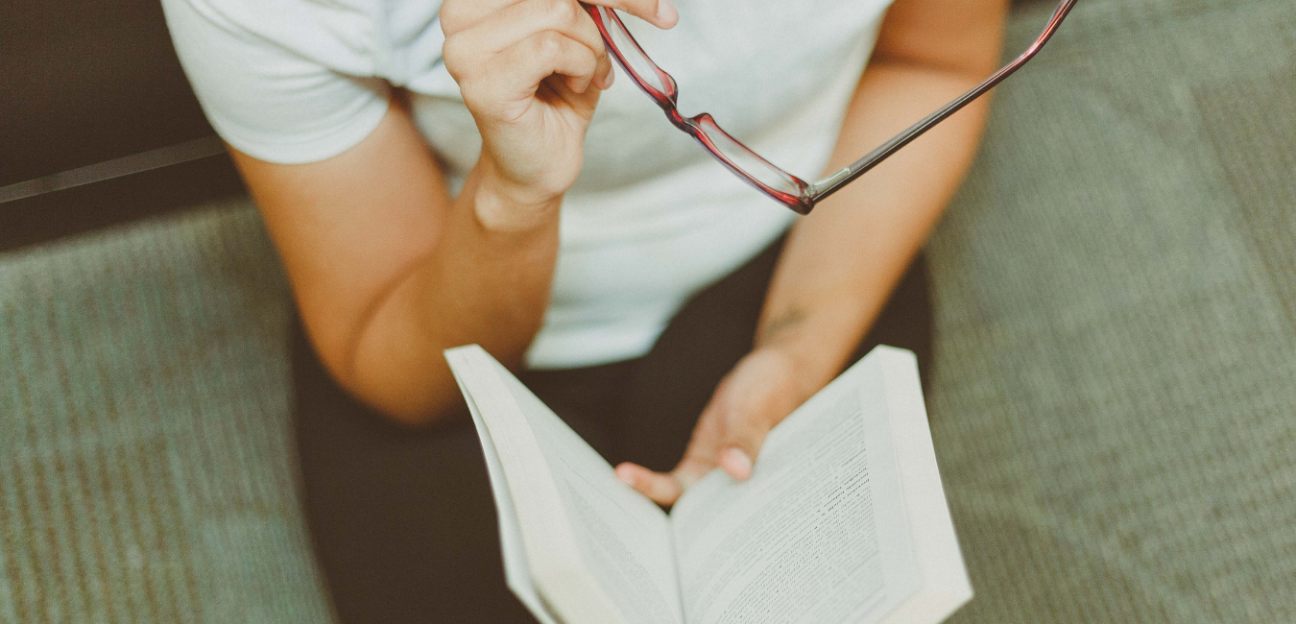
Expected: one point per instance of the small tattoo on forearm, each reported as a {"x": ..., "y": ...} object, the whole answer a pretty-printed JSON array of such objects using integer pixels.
[{"x": 780, "y": 324}]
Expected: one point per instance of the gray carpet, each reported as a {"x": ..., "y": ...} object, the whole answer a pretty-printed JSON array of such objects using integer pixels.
[
  {"x": 1114, "y": 406},
  {"x": 146, "y": 464}
]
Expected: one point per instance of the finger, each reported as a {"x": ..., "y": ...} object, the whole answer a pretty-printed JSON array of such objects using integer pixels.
[
  {"x": 699, "y": 459},
  {"x": 519, "y": 21},
  {"x": 659, "y": 13},
  {"x": 466, "y": 53},
  {"x": 745, "y": 428},
  {"x": 737, "y": 463},
  {"x": 738, "y": 455},
  {"x": 691, "y": 469},
  {"x": 660, "y": 488},
  {"x": 516, "y": 73},
  {"x": 704, "y": 444},
  {"x": 604, "y": 74},
  {"x": 458, "y": 15}
]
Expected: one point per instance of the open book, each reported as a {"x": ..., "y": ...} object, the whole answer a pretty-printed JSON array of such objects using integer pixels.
[{"x": 843, "y": 519}]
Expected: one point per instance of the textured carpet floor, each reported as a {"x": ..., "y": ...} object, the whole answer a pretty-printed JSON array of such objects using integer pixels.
[
  {"x": 1114, "y": 407},
  {"x": 146, "y": 465}
]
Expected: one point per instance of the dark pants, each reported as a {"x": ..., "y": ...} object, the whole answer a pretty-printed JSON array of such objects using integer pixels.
[{"x": 403, "y": 522}]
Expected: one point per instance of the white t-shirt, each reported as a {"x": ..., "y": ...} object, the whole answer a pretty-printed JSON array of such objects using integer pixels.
[{"x": 652, "y": 218}]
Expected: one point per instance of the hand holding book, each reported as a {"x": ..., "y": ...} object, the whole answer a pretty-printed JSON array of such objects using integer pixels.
[
  {"x": 754, "y": 397},
  {"x": 842, "y": 522}
]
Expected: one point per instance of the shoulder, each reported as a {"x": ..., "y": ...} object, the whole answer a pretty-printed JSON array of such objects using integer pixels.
[{"x": 285, "y": 81}]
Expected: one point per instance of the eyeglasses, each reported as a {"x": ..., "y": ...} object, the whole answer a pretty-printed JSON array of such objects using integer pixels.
[{"x": 791, "y": 191}]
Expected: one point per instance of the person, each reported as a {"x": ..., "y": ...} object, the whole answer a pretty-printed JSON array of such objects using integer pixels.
[{"x": 437, "y": 173}]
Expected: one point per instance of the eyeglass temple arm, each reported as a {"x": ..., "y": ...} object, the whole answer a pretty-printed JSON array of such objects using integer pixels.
[{"x": 830, "y": 184}]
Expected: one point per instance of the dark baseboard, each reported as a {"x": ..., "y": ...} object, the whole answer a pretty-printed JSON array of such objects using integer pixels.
[{"x": 59, "y": 214}]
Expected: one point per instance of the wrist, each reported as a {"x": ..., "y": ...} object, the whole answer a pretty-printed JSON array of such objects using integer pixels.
[
  {"x": 815, "y": 343},
  {"x": 503, "y": 205},
  {"x": 806, "y": 372}
]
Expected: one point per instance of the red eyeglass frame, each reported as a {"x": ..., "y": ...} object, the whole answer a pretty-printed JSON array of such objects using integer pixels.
[{"x": 797, "y": 194}]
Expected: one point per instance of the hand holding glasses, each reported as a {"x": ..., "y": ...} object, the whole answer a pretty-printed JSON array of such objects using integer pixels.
[{"x": 791, "y": 191}]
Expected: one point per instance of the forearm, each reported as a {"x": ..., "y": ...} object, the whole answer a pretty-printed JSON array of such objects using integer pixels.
[
  {"x": 485, "y": 281},
  {"x": 834, "y": 274},
  {"x": 387, "y": 271},
  {"x": 841, "y": 262}
]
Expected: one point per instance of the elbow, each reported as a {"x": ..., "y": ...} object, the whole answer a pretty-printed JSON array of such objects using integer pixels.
[
  {"x": 409, "y": 395},
  {"x": 418, "y": 416},
  {"x": 408, "y": 405}
]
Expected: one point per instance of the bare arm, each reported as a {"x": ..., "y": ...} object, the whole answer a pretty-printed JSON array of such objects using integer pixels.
[
  {"x": 387, "y": 269},
  {"x": 841, "y": 262}
]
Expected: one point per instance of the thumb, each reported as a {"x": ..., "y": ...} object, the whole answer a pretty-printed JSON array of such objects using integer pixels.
[{"x": 744, "y": 433}]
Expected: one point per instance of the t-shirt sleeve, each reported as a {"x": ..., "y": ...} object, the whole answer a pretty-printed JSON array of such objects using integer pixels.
[{"x": 265, "y": 99}]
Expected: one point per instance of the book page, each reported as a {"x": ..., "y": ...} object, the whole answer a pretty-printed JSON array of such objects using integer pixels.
[
  {"x": 622, "y": 540},
  {"x": 818, "y": 533},
  {"x": 517, "y": 572}
]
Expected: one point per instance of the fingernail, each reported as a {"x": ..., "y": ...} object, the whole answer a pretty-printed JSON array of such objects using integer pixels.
[
  {"x": 737, "y": 463},
  {"x": 666, "y": 14},
  {"x": 611, "y": 76}
]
